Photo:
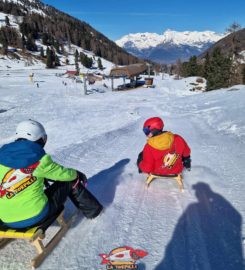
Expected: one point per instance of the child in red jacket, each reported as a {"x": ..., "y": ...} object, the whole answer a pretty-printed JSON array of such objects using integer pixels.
[{"x": 165, "y": 153}]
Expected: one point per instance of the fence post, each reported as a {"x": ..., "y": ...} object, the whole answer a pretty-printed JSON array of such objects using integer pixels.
[
  {"x": 85, "y": 84},
  {"x": 112, "y": 83}
]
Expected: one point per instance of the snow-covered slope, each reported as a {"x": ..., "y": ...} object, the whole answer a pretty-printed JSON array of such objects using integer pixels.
[
  {"x": 147, "y": 44},
  {"x": 9, "y": 62},
  {"x": 56, "y": 39},
  {"x": 101, "y": 135},
  {"x": 11, "y": 20}
]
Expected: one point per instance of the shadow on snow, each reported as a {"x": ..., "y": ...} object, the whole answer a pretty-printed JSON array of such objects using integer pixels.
[
  {"x": 207, "y": 235},
  {"x": 103, "y": 184}
]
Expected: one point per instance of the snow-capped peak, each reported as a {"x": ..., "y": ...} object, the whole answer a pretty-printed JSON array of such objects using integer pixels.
[
  {"x": 190, "y": 37},
  {"x": 140, "y": 40},
  {"x": 147, "y": 40}
]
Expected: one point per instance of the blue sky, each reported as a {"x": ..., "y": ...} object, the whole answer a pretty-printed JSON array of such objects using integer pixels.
[{"x": 115, "y": 18}]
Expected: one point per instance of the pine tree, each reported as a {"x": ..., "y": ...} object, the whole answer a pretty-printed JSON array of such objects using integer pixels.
[
  {"x": 76, "y": 61},
  {"x": 42, "y": 52},
  {"x": 235, "y": 71},
  {"x": 219, "y": 71},
  {"x": 171, "y": 70},
  {"x": 45, "y": 39},
  {"x": 234, "y": 27},
  {"x": 23, "y": 42},
  {"x": 7, "y": 21},
  {"x": 87, "y": 44},
  {"x": 193, "y": 67},
  {"x": 206, "y": 67},
  {"x": 81, "y": 56},
  {"x": 90, "y": 62},
  {"x": 100, "y": 66},
  {"x": 57, "y": 46},
  {"x": 56, "y": 60},
  {"x": 30, "y": 44},
  {"x": 49, "y": 60},
  {"x": 4, "y": 42},
  {"x": 243, "y": 74},
  {"x": 62, "y": 50},
  {"x": 85, "y": 60}
]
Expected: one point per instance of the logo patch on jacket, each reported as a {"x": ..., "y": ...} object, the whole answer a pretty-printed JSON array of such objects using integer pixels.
[
  {"x": 17, "y": 180},
  {"x": 170, "y": 159}
]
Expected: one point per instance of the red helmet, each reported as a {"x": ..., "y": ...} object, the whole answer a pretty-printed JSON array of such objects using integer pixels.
[{"x": 151, "y": 124}]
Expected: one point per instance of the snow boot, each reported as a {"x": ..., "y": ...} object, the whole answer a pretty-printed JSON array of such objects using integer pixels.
[{"x": 85, "y": 201}]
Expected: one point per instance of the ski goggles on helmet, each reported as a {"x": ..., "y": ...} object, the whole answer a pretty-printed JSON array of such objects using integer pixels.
[{"x": 146, "y": 130}]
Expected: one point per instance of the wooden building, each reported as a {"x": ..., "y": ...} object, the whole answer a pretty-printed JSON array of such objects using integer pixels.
[{"x": 127, "y": 72}]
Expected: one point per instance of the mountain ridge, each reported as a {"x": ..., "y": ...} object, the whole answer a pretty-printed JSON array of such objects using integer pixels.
[
  {"x": 39, "y": 21},
  {"x": 234, "y": 43}
]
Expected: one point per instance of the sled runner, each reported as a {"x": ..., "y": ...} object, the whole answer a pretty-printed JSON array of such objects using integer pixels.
[
  {"x": 36, "y": 235},
  {"x": 177, "y": 177}
]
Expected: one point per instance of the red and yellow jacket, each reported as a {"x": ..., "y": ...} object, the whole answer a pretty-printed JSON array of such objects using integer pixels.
[{"x": 163, "y": 154}]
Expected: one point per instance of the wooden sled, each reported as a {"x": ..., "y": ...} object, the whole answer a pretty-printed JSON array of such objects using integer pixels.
[
  {"x": 36, "y": 235},
  {"x": 177, "y": 177}
]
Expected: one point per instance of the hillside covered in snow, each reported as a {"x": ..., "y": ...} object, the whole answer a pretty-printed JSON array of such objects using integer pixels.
[{"x": 28, "y": 28}]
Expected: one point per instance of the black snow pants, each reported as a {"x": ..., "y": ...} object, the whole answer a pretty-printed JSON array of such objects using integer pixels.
[{"x": 58, "y": 192}]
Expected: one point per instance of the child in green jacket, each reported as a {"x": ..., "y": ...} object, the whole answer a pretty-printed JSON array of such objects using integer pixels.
[{"x": 24, "y": 167}]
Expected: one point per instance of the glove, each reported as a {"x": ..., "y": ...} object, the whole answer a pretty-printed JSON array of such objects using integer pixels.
[
  {"x": 82, "y": 178},
  {"x": 187, "y": 162},
  {"x": 139, "y": 159}
]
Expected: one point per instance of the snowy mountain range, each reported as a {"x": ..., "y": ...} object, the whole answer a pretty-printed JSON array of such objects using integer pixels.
[{"x": 169, "y": 46}]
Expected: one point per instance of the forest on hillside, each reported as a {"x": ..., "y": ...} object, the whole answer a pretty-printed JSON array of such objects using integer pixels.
[{"x": 56, "y": 29}]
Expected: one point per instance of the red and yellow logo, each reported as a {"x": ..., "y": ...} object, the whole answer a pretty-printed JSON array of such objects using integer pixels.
[
  {"x": 122, "y": 258},
  {"x": 170, "y": 159},
  {"x": 16, "y": 180}
]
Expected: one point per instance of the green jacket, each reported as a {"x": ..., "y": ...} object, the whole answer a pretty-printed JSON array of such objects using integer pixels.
[{"x": 22, "y": 195}]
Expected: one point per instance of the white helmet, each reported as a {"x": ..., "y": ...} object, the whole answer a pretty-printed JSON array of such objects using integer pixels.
[{"x": 31, "y": 130}]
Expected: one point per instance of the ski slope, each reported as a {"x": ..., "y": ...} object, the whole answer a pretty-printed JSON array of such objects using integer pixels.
[{"x": 101, "y": 134}]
